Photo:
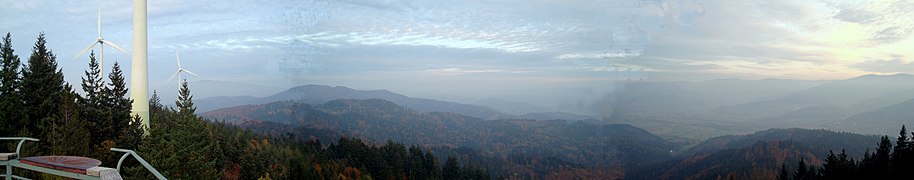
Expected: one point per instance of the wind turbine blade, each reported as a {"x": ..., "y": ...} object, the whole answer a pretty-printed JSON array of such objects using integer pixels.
[
  {"x": 99, "y": 22},
  {"x": 173, "y": 76},
  {"x": 83, "y": 52},
  {"x": 115, "y": 46},
  {"x": 178, "y": 59},
  {"x": 192, "y": 73}
]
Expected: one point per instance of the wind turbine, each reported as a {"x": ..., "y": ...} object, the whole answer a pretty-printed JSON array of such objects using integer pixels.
[
  {"x": 139, "y": 71},
  {"x": 180, "y": 70},
  {"x": 101, "y": 42}
]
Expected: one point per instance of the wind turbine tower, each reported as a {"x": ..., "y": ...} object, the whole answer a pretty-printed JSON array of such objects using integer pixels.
[{"x": 139, "y": 75}]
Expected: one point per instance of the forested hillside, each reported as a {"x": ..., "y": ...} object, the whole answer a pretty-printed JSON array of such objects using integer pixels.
[
  {"x": 886, "y": 161},
  {"x": 529, "y": 147},
  {"x": 322, "y": 94},
  {"x": 762, "y": 155}
]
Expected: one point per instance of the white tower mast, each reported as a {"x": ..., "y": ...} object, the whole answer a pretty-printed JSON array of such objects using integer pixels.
[{"x": 139, "y": 78}]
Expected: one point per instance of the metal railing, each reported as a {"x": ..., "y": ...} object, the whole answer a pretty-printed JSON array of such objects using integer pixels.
[
  {"x": 9, "y": 168},
  {"x": 21, "y": 140},
  {"x": 120, "y": 162},
  {"x": 145, "y": 164}
]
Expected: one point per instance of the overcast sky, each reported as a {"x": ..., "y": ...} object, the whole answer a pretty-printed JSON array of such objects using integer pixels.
[{"x": 467, "y": 47}]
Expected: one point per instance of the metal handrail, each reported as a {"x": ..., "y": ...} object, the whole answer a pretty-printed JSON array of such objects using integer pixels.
[
  {"x": 120, "y": 162},
  {"x": 145, "y": 164},
  {"x": 21, "y": 140}
]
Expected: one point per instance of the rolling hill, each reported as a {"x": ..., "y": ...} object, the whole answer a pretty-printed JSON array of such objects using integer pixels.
[
  {"x": 581, "y": 143},
  {"x": 695, "y": 110},
  {"x": 851, "y": 96},
  {"x": 322, "y": 94},
  {"x": 854, "y": 143},
  {"x": 756, "y": 156},
  {"x": 877, "y": 121}
]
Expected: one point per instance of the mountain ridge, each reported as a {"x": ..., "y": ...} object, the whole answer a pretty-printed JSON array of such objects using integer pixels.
[{"x": 316, "y": 94}]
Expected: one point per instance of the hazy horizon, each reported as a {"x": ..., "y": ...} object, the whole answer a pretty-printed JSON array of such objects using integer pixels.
[{"x": 436, "y": 48}]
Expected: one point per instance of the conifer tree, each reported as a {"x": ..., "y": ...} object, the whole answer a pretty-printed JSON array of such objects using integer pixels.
[
  {"x": 92, "y": 104},
  {"x": 802, "y": 171},
  {"x": 132, "y": 136},
  {"x": 900, "y": 156},
  {"x": 181, "y": 144},
  {"x": 867, "y": 163},
  {"x": 10, "y": 100},
  {"x": 431, "y": 163},
  {"x": 69, "y": 135},
  {"x": 848, "y": 166},
  {"x": 119, "y": 106},
  {"x": 838, "y": 166},
  {"x": 831, "y": 166},
  {"x": 783, "y": 174},
  {"x": 882, "y": 159},
  {"x": 417, "y": 169},
  {"x": 185, "y": 102},
  {"x": 42, "y": 87},
  {"x": 450, "y": 170},
  {"x": 910, "y": 155},
  {"x": 155, "y": 104}
]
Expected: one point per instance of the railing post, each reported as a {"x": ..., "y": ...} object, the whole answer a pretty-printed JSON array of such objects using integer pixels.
[
  {"x": 9, "y": 172},
  {"x": 121, "y": 161}
]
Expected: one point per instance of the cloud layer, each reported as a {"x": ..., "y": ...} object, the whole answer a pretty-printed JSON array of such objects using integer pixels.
[{"x": 588, "y": 42}]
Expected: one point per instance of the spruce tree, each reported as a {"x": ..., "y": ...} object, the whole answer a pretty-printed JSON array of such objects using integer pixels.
[
  {"x": 119, "y": 106},
  {"x": 867, "y": 165},
  {"x": 832, "y": 166},
  {"x": 450, "y": 170},
  {"x": 848, "y": 166},
  {"x": 417, "y": 170},
  {"x": 185, "y": 102},
  {"x": 802, "y": 171},
  {"x": 179, "y": 143},
  {"x": 900, "y": 155},
  {"x": 882, "y": 158},
  {"x": 92, "y": 104},
  {"x": 69, "y": 135},
  {"x": 783, "y": 174},
  {"x": 10, "y": 100},
  {"x": 155, "y": 104},
  {"x": 910, "y": 155},
  {"x": 133, "y": 135},
  {"x": 42, "y": 87}
]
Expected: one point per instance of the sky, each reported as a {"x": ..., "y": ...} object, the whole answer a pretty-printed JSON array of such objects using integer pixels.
[{"x": 475, "y": 48}]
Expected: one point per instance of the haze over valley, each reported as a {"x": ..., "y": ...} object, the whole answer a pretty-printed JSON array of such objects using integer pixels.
[{"x": 460, "y": 89}]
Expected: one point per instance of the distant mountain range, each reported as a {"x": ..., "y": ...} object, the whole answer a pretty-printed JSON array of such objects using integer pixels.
[
  {"x": 558, "y": 141},
  {"x": 203, "y": 89},
  {"x": 855, "y": 144},
  {"x": 846, "y": 97},
  {"x": 323, "y": 93},
  {"x": 690, "y": 111},
  {"x": 875, "y": 121},
  {"x": 316, "y": 94},
  {"x": 539, "y": 147},
  {"x": 510, "y": 107},
  {"x": 699, "y": 110}
]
